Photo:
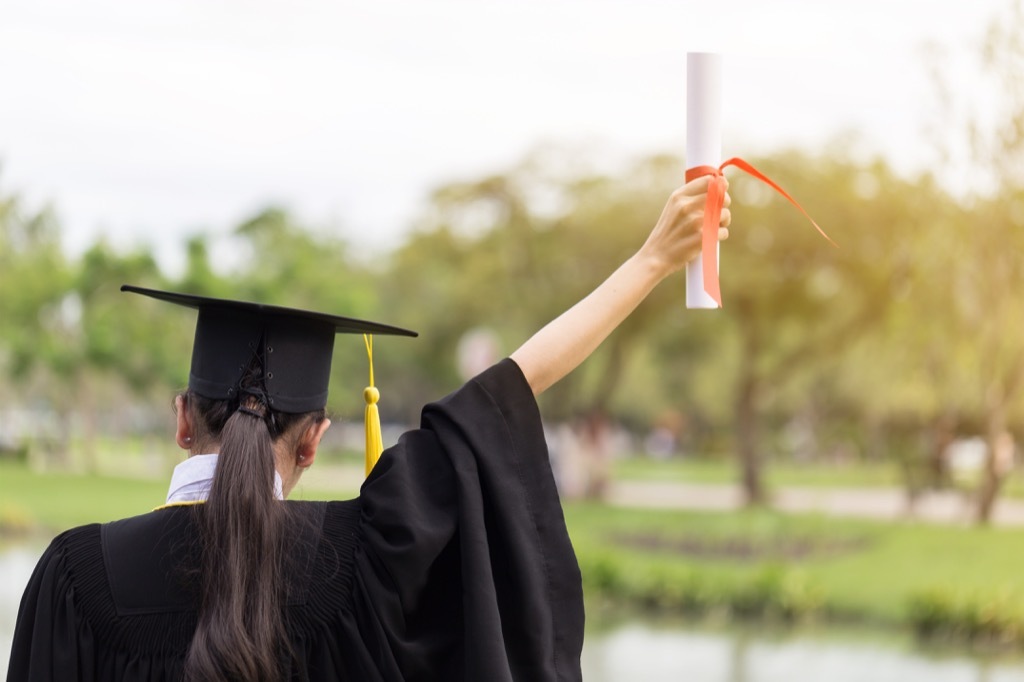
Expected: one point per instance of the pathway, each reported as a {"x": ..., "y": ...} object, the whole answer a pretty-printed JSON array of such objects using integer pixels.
[
  {"x": 876, "y": 503},
  {"x": 950, "y": 507}
]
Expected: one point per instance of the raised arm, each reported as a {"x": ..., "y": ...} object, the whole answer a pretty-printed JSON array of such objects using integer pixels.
[{"x": 569, "y": 339}]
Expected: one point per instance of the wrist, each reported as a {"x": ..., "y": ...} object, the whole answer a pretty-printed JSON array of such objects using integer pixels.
[{"x": 652, "y": 266}]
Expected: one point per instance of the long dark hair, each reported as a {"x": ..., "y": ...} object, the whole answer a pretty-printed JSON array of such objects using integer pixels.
[{"x": 241, "y": 633}]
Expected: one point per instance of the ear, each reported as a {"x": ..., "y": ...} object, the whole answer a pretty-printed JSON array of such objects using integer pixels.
[
  {"x": 306, "y": 451},
  {"x": 183, "y": 434}
]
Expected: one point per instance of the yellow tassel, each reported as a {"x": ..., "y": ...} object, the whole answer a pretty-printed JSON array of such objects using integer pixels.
[{"x": 374, "y": 440}]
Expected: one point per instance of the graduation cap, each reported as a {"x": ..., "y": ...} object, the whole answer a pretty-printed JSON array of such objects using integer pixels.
[{"x": 296, "y": 347}]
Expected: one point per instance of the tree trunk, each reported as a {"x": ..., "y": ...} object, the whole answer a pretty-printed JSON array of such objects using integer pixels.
[
  {"x": 746, "y": 442},
  {"x": 998, "y": 460},
  {"x": 611, "y": 375},
  {"x": 87, "y": 408},
  {"x": 747, "y": 394},
  {"x": 59, "y": 445},
  {"x": 943, "y": 433}
]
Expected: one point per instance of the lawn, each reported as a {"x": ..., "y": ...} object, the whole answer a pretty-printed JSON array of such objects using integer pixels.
[
  {"x": 53, "y": 502},
  {"x": 844, "y": 568},
  {"x": 751, "y": 563}
]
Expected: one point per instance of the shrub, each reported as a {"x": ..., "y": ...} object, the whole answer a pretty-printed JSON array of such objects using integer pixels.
[{"x": 991, "y": 616}]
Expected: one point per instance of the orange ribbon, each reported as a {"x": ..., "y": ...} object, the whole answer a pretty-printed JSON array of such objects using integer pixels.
[{"x": 713, "y": 216}]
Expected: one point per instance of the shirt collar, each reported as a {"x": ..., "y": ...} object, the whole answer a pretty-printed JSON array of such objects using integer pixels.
[{"x": 192, "y": 479}]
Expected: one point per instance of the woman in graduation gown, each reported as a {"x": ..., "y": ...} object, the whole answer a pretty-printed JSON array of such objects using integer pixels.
[{"x": 452, "y": 564}]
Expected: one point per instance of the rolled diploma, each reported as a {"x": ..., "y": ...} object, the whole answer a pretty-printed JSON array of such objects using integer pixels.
[{"x": 703, "y": 145}]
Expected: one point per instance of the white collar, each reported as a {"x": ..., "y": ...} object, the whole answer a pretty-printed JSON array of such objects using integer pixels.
[{"x": 192, "y": 479}]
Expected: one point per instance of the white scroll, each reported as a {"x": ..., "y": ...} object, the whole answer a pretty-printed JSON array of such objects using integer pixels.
[{"x": 703, "y": 145}]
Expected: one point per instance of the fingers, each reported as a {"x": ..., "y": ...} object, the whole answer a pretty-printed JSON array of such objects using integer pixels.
[
  {"x": 691, "y": 245},
  {"x": 696, "y": 212},
  {"x": 700, "y": 186},
  {"x": 683, "y": 217},
  {"x": 696, "y": 187}
]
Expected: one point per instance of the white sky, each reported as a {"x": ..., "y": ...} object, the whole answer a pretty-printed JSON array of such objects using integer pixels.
[{"x": 146, "y": 121}]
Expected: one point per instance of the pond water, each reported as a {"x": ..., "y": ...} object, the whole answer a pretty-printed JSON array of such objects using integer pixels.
[
  {"x": 16, "y": 564},
  {"x": 638, "y": 650},
  {"x": 641, "y": 651}
]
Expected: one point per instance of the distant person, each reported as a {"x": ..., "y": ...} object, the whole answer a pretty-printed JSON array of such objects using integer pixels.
[
  {"x": 663, "y": 441},
  {"x": 595, "y": 435},
  {"x": 453, "y": 563}
]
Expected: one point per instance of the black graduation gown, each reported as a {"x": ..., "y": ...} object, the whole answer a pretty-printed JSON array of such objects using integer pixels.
[{"x": 453, "y": 564}]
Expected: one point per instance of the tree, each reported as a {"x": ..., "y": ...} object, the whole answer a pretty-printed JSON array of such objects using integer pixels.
[
  {"x": 35, "y": 317},
  {"x": 793, "y": 303},
  {"x": 491, "y": 253},
  {"x": 34, "y": 277},
  {"x": 512, "y": 251},
  {"x": 983, "y": 279}
]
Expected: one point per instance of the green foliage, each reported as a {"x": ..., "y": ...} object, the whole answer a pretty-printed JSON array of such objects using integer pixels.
[
  {"x": 866, "y": 345},
  {"x": 765, "y": 565},
  {"x": 511, "y": 252},
  {"x": 34, "y": 281},
  {"x": 14, "y": 520},
  {"x": 775, "y": 591},
  {"x": 123, "y": 335},
  {"x": 985, "y": 616},
  {"x": 769, "y": 592},
  {"x": 663, "y": 561}
]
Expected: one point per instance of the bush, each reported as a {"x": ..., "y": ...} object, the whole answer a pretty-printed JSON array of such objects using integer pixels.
[
  {"x": 14, "y": 520},
  {"x": 775, "y": 592},
  {"x": 989, "y": 617},
  {"x": 768, "y": 591}
]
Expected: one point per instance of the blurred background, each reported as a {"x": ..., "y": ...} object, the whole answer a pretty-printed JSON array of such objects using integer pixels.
[{"x": 820, "y": 481}]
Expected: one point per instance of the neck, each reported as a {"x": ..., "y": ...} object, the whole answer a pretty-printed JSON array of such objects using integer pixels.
[{"x": 191, "y": 479}]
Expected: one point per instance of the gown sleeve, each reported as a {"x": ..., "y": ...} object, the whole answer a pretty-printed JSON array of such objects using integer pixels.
[
  {"x": 465, "y": 570},
  {"x": 33, "y": 645},
  {"x": 51, "y": 644}
]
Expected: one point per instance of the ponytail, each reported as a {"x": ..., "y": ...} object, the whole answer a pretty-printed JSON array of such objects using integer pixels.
[{"x": 241, "y": 632}]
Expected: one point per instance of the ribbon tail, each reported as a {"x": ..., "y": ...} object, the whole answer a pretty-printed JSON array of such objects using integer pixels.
[
  {"x": 750, "y": 170},
  {"x": 709, "y": 238}
]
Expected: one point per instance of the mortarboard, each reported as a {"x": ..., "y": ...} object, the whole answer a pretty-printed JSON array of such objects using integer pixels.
[{"x": 295, "y": 345}]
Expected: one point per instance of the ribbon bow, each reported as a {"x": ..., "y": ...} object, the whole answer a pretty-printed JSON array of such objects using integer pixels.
[{"x": 713, "y": 216}]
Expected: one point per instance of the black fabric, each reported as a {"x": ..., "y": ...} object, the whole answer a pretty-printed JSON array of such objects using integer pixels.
[{"x": 453, "y": 564}]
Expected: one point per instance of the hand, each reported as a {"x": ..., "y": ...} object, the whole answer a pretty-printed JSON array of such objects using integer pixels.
[
  {"x": 676, "y": 238},
  {"x": 566, "y": 341}
]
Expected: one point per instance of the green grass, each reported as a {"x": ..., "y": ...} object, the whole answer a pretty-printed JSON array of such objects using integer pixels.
[
  {"x": 860, "y": 569},
  {"x": 52, "y": 502},
  {"x": 751, "y": 563},
  {"x": 59, "y": 501}
]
